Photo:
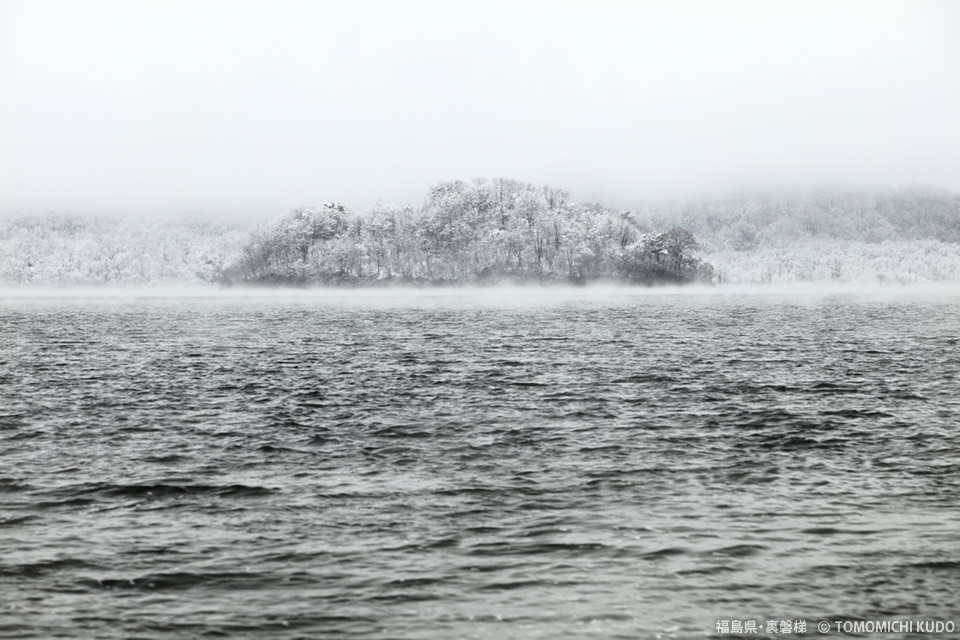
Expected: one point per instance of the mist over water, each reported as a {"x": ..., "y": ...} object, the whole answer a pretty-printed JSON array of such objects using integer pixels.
[
  {"x": 479, "y": 462},
  {"x": 498, "y": 295}
]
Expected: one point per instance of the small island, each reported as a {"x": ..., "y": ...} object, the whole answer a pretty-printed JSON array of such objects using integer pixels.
[{"x": 482, "y": 232}]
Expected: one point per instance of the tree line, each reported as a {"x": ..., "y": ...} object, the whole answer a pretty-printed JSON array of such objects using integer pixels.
[
  {"x": 503, "y": 229},
  {"x": 757, "y": 220}
]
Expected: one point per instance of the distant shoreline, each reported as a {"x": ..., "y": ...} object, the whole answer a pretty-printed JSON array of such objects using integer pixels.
[
  {"x": 460, "y": 233},
  {"x": 528, "y": 293}
]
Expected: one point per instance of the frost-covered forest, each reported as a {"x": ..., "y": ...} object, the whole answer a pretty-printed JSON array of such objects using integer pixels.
[
  {"x": 882, "y": 235},
  {"x": 87, "y": 250},
  {"x": 505, "y": 229}
]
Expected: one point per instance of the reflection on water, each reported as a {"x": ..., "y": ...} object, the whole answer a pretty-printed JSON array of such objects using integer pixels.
[{"x": 499, "y": 463}]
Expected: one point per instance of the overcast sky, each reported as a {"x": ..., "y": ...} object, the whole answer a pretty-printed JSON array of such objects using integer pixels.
[{"x": 256, "y": 107}]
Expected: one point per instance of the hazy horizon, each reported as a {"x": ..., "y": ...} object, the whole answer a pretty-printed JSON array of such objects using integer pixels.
[{"x": 249, "y": 108}]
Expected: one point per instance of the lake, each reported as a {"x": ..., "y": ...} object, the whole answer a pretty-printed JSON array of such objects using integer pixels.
[{"x": 516, "y": 463}]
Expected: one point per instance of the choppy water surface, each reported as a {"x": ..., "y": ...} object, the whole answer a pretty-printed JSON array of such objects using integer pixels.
[{"x": 622, "y": 465}]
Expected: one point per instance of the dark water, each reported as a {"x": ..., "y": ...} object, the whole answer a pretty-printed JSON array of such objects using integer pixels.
[{"x": 596, "y": 466}]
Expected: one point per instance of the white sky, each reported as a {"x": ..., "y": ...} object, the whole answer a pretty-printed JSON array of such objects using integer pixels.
[{"x": 255, "y": 107}]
